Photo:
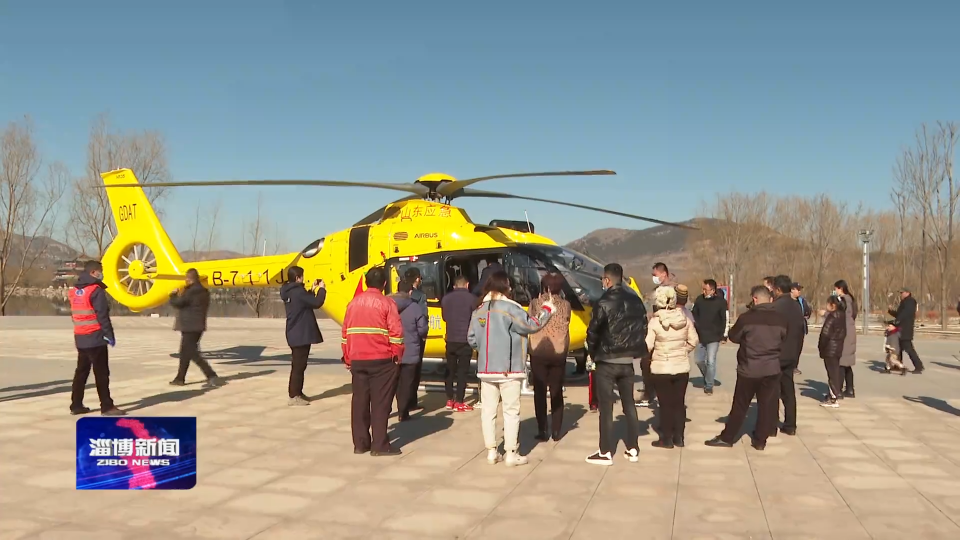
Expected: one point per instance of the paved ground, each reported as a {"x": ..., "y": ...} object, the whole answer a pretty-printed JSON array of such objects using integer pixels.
[{"x": 885, "y": 465}]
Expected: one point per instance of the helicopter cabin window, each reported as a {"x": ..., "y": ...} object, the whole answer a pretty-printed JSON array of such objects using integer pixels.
[
  {"x": 429, "y": 267},
  {"x": 525, "y": 273}
]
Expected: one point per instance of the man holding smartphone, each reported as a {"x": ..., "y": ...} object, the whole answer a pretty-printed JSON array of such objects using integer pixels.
[{"x": 302, "y": 328}]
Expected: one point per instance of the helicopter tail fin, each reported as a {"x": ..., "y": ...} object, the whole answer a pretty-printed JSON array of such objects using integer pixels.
[{"x": 141, "y": 266}]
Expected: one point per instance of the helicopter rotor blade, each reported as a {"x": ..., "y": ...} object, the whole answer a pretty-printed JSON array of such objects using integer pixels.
[
  {"x": 416, "y": 189},
  {"x": 376, "y": 215},
  {"x": 476, "y": 193},
  {"x": 449, "y": 190}
]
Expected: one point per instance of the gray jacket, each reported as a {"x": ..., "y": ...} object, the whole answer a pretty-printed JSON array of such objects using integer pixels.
[{"x": 498, "y": 331}]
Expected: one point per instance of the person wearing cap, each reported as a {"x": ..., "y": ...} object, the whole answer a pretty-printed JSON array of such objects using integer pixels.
[
  {"x": 796, "y": 292},
  {"x": 905, "y": 317}
]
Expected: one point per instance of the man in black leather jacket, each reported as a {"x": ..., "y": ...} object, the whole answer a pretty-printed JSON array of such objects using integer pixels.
[{"x": 615, "y": 338}]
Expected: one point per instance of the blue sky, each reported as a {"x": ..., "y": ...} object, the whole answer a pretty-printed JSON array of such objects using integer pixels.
[{"x": 683, "y": 102}]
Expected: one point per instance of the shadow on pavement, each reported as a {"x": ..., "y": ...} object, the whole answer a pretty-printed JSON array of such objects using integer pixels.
[
  {"x": 951, "y": 366},
  {"x": 877, "y": 365},
  {"x": 183, "y": 395},
  {"x": 421, "y": 423},
  {"x": 333, "y": 392},
  {"x": 934, "y": 403},
  {"x": 64, "y": 389},
  {"x": 814, "y": 389},
  {"x": 572, "y": 414},
  {"x": 242, "y": 355}
]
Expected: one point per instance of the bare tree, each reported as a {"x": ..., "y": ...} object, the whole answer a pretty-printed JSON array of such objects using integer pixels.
[
  {"x": 255, "y": 240},
  {"x": 822, "y": 236},
  {"x": 925, "y": 175},
  {"x": 206, "y": 217},
  {"x": 27, "y": 206},
  {"x": 144, "y": 153}
]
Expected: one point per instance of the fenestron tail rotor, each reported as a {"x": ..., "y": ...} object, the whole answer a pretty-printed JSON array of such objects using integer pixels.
[{"x": 137, "y": 269}]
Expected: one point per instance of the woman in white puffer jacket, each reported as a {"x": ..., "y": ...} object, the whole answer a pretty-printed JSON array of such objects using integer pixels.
[{"x": 671, "y": 337}]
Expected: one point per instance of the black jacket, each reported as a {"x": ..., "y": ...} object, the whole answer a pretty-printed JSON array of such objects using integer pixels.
[
  {"x": 710, "y": 317},
  {"x": 832, "y": 335},
  {"x": 299, "y": 303},
  {"x": 456, "y": 308},
  {"x": 906, "y": 316},
  {"x": 761, "y": 333},
  {"x": 487, "y": 270},
  {"x": 192, "y": 306},
  {"x": 98, "y": 299},
  {"x": 793, "y": 343},
  {"x": 618, "y": 326},
  {"x": 417, "y": 296}
]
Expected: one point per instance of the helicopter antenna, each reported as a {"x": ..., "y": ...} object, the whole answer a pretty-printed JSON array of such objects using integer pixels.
[{"x": 525, "y": 216}]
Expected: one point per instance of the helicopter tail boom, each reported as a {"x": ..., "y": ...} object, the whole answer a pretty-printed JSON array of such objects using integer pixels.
[{"x": 141, "y": 267}]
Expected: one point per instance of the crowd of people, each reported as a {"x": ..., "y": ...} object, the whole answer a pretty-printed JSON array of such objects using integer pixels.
[{"x": 383, "y": 340}]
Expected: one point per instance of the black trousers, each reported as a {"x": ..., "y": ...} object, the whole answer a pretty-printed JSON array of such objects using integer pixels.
[
  {"x": 788, "y": 396},
  {"x": 298, "y": 368},
  {"x": 672, "y": 391},
  {"x": 374, "y": 386},
  {"x": 649, "y": 392},
  {"x": 407, "y": 388},
  {"x": 619, "y": 376},
  {"x": 98, "y": 359},
  {"x": 906, "y": 346},
  {"x": 455, "y": 370},
  {"x": 190, "y": 352},
  {"x": 765, "y": 389},
  {"x": 847, "y": 381},
  {"x": 548, "y": 373},
  {"x": 834, "y": 376}
]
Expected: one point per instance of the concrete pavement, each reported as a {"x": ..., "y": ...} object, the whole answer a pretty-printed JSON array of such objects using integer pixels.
[{"x": 885, "y": 465}]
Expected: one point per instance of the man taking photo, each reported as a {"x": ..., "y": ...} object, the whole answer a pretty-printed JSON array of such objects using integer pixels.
[
  {"x": 616, "y": 337},
  {"x": 302, "y": 329},
  {"x": 192, "y": 304}
]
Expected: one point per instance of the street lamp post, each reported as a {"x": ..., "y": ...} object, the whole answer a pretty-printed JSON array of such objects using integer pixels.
[{"x": 865, "y": 235}]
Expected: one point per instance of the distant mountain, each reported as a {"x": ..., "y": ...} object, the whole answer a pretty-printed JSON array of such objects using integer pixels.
[
  {"x": 638, "y": 250},
  {"x": 51, "y": 251}
]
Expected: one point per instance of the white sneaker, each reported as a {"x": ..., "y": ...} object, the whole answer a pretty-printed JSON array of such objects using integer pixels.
[
  {"x": 598, "y": 458},
  {"x": 642, "y": 403},
  {"x": 493, "y": 456},
  {"x": 632, "y": 455},
  {"x": 831, "y": 404},
  {"x": 515, "y": 460}
]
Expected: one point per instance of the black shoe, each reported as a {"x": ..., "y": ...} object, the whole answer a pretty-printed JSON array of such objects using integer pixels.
[
  {"x": 598, "y": 458},
  {"x": 758, "y": 444},
  {"x": 358, "y": 451},
  {"x": 388, "y": 452},
  {"x": 416, "y": 407},
  {"x": 177, "y": 382},
  {"x": 708, "y": 391},
  {"x": 789, "y": 431},
  {"x": 849, "y": 393},
  {"x": 662, "y": 444},
  {"x": 80, "y": 410},
  {"x": 113, "y": 412},
  {"x": 678, "y": 441},
  {"x": 542, "y": 436},
  {"x": 903, "y": 372},
  {"x": 717, "y": 442},
  {"x": 557, "y": 437},
  {"x": 403, "y": 417},
  {"x": 918, "y": 371}
]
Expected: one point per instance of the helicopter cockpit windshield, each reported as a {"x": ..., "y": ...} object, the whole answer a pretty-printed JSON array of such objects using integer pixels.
[{"x": 584, "y": 274}]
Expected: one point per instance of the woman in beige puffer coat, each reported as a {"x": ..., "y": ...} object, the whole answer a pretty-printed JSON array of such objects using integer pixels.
[{"x": 671, "y": 337}]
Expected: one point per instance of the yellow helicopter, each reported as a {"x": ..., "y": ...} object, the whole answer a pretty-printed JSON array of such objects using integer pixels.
[{"x": 423, "y": 230}]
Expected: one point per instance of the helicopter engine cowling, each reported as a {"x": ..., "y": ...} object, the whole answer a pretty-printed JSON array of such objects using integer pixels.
[{"x": 521, "y": 226}]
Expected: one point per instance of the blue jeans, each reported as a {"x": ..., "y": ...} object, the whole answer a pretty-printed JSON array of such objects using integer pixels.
[{"x": 707, "y": 362}]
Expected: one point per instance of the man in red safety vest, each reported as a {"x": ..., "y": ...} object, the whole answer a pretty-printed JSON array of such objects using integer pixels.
[{"x": 92, "y": 332}]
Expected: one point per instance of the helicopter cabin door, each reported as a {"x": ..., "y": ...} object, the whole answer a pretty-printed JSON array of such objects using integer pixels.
[{"x": 431, "y": 285}]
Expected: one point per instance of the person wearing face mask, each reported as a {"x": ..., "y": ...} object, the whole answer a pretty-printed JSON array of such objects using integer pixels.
[
  {"x": 92, "y": 332},
  {"x": 661, "y": 278}
]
